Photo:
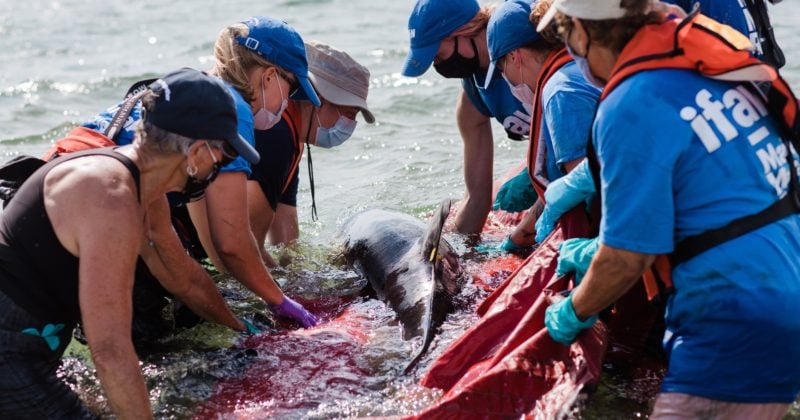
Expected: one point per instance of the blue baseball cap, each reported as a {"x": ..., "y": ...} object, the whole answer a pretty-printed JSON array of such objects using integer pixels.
[
  {"x": 195, "y": 105},
  {"x": 509, "y": 28},
  {"x": 280, "y": 44},
  {"x": 430, "y": 22}
]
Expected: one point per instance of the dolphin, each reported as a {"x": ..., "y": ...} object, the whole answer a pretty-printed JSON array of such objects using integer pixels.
[{"x": 409, "y": 266}]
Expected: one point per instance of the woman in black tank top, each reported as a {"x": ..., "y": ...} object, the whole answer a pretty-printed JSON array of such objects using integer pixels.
[{"x": 70, "y": 238}]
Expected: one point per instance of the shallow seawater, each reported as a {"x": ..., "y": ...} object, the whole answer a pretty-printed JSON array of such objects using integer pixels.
[{"x": 65, "y": 60}]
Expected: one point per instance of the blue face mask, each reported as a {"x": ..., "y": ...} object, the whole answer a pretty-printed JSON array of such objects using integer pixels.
[
  {"x": 583, "y": 65},
  {"x": 336, "y": 135}
]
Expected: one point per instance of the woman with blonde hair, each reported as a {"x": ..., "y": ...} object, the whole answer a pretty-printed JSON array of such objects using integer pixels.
[
  {"x": 262, "y": 62},
  {"x": 451, "y": 35}
]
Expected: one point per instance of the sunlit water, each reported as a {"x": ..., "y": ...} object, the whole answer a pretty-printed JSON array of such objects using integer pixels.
[{"x": 64, "y": 61}]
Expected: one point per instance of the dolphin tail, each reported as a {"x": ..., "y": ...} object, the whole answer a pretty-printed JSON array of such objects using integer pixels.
[{"x": 430, "y": 251}]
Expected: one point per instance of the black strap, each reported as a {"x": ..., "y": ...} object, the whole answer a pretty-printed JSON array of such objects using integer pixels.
[
  {"x": 770, "y": 50},
  {"x": 788, "y": 205},
  {"x": 122, "y": 114},
  {"x": 314, "y": 216},
  {"x": 697, "y": 244}
]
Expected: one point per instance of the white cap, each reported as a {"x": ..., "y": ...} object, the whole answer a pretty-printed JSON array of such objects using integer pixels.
[{"x": 584, "y": 9}]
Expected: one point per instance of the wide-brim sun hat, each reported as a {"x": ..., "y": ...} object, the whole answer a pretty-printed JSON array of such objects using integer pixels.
[
  {"x": 338, "y": 78},
  {"x": 194, "y": 105},
  {"x": 509, "y": 28},
  {"x": 430, "y": 22},
  {"x": 583, "y": 9},
  {"x": 281, "y": 45}
]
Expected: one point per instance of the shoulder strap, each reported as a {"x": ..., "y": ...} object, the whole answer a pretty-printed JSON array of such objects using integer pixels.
[{"x": 122, "y": 114}]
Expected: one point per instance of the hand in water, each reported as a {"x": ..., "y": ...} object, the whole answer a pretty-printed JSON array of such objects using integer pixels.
[
  {"x": 291, "y": 309},
  {"x": 249, "y": 328}
]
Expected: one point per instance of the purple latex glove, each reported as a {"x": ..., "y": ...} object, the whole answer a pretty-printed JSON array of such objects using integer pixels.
[{"x": 296, "y": 311}]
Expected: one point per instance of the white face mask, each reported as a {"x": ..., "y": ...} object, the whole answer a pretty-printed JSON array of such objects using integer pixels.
[
  {"x": 264, "y": 119},
  {"x": 522, "y": 91},
  {"x": 336, "y": 135}
]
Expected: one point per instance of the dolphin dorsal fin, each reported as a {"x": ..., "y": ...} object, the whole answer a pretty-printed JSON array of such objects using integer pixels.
[{"x": 430, "y": 246}]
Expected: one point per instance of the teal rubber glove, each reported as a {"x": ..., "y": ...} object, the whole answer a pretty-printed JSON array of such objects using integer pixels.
[
  {"x": 49, "y": 334},
  {"x": 562, "y": 195},
  {"x": 563, "y": 323},
  {"x": 575, "y": 255},
  {"x": 516, "y": 195},
  {"x": 250, "y": 329},
  {"x": 508, "y": 245}
]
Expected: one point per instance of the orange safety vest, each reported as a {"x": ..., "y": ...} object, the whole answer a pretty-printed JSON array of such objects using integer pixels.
[
  {"x": 537, "y": 168},
  {"x": 294, "y": 118},
  {"x": 719, "y": 52}
]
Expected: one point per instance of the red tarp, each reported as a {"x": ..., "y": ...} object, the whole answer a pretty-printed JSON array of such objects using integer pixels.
[{"x": 507, "y": 364}]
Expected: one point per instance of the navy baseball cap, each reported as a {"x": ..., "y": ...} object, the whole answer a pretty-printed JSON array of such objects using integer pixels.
[
  {"x": 509, "y": 28},
  {"x": 430, "y": 22},
  {"x": 280, "y": 44},
  {"x": 195, "y": 105}
]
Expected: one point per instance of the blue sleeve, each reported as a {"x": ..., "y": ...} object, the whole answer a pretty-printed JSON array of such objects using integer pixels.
[
  {"x": 637, "y": 160},
  {"x": 474, "y": 97},
  {"x": 568, "y": 115},
  {"x": 245, "y": 127},
  {"x": 101, "y": 121}
]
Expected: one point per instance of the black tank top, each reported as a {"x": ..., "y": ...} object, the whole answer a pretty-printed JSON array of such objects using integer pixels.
[{"x": 36, "y": 272}]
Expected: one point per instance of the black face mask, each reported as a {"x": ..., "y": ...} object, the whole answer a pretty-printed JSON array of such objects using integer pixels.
[
  {"x": 457, "y": 66},
  {"x": 195, "y": 189}
]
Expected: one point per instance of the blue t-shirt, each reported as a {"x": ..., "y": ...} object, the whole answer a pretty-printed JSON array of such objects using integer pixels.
[
  {"x": 681, "y": 154},
  {"x": 497, "y": 101},
  {"x": 730, "y": 12},
  {"x": 245, "y": 127},
  {"x": 568, "y": 103}
]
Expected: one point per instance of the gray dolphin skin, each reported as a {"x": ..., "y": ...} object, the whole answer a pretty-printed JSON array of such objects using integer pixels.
[{"x": 408, "y": 265}]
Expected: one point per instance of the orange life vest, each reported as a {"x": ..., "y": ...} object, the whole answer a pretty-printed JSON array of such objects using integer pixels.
[
  {"x": 537, "y": 168},
  {"x": 294, "y": 118},
  {"x": 80, "y": 138},
  {"x": 719, "y": 52}
]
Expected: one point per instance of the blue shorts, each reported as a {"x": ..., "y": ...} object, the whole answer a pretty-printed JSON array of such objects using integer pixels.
[{"x": 29, "y": 385}]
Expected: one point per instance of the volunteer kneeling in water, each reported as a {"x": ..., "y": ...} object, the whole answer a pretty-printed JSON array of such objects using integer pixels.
[
  {"x": 262, "y": 61},
  {"x": 537, "y": 67},
  {"x": 342, "y": 85},
  {"x": 665, "y": 132},
  {"x": 451, "y": 35},
  {"x": 86, "y": 215}
]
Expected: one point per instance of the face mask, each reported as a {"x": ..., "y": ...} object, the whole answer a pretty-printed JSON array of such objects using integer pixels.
[
  {"x": 195, "y": 189},
  {"x": 522, "y": 92},
  {"x": 457, "y": 66},
  {"x": 336, "y": 135},
  {"x": 263, "y": 119},
  {"x": 583, "y": 65}
]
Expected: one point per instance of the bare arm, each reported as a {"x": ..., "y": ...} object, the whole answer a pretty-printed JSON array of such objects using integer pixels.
[
  {"x": 104, "y": 229},
  {"x": 612, "y": 272},
  {"x": 476, "y": 133},
  {"x": 525, "y": 233},
  {"x": 229, "y": 226},
  {"x": 180, "y": 274}
]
